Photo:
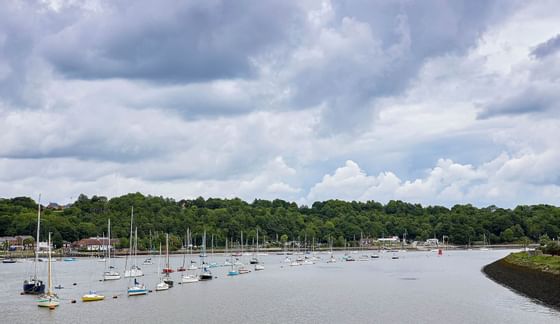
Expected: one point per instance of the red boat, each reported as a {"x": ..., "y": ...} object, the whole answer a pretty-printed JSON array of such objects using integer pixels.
[
  {"x": 167, "y": 270},
  {"x": 181, "y": 269}
]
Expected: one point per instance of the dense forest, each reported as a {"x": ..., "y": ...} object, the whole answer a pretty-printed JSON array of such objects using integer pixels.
[{"x": 342, "y": 221}]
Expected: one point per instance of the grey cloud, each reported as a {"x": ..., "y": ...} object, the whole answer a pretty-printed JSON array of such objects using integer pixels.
[
  {"x": 404, "y": 35},
  {"x": 529, "y": 101},
  {"x": 549, "y": 47},
  {"x": 170, "y": 41}
]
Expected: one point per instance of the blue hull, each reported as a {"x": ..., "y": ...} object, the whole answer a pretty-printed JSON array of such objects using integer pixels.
[{"x": 34, "y": 289}]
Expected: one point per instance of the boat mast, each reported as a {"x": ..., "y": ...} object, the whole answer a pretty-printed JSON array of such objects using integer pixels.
[
  {"x": 49, "y": 291},
  {"x": 108, "y": 245},
  {"x": 135, "y": 245},
  {"x": 167, "y": 249},
  {"x": 38, "y": 231}
]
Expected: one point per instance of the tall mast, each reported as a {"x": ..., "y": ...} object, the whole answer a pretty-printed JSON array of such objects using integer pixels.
[
  {"x": 38, "y": 231},
  {"x": 131, "y": 219},
  {"x": 108, "y": 244},
  {"x": 257, "y": 241},
  {"x": 167, "y": 249},
  {"x": 135, "y": 243},
  {"x": 49, "y": 291}
]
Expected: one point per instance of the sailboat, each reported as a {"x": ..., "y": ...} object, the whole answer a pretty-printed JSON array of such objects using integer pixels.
[
  {"x": 206, "y": 273},
  {"x": 34, "y": 286},
  {"x": 332, "y": 259},
  {"x": 227, "y": 262},
  {"x": 363, "y": 257},
  {"x": 167, "y": 270},
  {"x": 50, "y": 299},
  {"x": 484, "y": 248},
  {"x": 162, "y": 285},
  {"x": 233, "y": 271},
  {"x": 134, "y": 270},
  {"x": 137, "y": 289},
  {"x": 110, "y": 273},
  {"x": 192, "y": 265},
  {"x": 182, "y": 268},
  {"x": 258, "y": 265},
  {"x": 241, "y": 269},
  {"x": 148, "y": 260},
  {"x": 190, "y": 276}
]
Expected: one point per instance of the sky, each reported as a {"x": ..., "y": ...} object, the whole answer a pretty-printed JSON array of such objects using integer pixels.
[{"x": 431, "y": 102}]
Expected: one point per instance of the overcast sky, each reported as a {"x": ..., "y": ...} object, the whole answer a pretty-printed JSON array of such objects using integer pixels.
[{"x": 434, "y": 102}]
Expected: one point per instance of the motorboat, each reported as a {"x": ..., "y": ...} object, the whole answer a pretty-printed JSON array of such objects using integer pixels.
[{"x": 92, "y": 296}]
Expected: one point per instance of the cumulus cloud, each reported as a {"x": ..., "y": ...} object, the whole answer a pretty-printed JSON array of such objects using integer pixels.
[{"x": 448, "y": 183}]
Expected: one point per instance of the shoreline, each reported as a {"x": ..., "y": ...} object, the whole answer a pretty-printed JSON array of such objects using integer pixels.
[{"x": 535, "y": 284}]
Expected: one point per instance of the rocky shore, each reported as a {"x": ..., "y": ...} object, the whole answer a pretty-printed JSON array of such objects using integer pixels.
[{"x": 537, "y": 284}]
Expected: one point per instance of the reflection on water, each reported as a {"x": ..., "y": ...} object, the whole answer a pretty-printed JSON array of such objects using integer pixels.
[{"x": 419, "y": 287}]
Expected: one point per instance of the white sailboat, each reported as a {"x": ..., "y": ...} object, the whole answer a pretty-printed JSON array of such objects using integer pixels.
[
  {"x": 110, "y": 273},
  {"x": 190, "y": 276},
  {"x": 332, "y": 259},
  {"x": 161, "y": 285},
  {"x": 258, "y": 266},
  {"x": 50, "y": 299},
  {"x": 134, "y": 270}
]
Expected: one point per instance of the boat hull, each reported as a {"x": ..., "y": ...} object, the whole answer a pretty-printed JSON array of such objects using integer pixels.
[
  {"x": 205, "y": 277},
  {"x": 33, "y": 288},
  {"x": 50, "y": 302},
  {"x": 189, "y": 279},
  {"x": 137, "y": 292},
  {"x": 91, "y": 298}
]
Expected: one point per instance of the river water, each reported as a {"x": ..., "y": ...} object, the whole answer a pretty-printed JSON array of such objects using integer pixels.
[{"x": 419, "y": 287}]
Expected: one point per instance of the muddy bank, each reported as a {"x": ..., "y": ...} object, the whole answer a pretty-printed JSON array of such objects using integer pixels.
[{"x": 536, "y": 284}]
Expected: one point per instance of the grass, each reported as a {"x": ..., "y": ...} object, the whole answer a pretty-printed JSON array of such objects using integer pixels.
[{"x": 546, "y": 263}]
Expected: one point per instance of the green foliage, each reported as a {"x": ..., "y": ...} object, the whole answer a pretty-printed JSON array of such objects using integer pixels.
[
  {"x": 552, "y": 247},
  {"x": 340, "y": 221}
]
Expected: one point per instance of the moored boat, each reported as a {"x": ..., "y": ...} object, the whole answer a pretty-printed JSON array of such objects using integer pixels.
[
  {"x": 33, "y": 285},
  {"x": 92, "y": 296},
  {"x": 49, "y": 299}
]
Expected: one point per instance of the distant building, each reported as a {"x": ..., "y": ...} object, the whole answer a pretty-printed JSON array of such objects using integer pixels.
[
  {"x": 432, "y": 242},
  {"x": 55, "y": 206},
  {"x": 15, "y": 242},
  {"x": 393, "y": 239},
  {"x": 95, "y": 244}
]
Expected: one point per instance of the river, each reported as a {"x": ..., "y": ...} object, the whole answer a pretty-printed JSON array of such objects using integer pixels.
[{"x": 419, "y": 287}]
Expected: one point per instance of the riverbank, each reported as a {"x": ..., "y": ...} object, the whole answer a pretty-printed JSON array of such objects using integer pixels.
[{"x": 536, "y": 276}]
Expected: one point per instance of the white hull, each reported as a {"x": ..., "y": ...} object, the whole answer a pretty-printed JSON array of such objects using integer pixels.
[
  {"x": 111, "y": 276},
  {"x": 137, "y": 291},
  {"x": 162, "y": 286},
  {"x": 189, "y": 279},
  {"x": 259, "y": 267},
  {"x": 50, "y": 302}
]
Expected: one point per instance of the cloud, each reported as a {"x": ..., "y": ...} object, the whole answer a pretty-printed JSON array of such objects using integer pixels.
[
  {"x": 296, "y": 100},
  {"x": 450, "y": 183},
  {"x": 531, "y": 100},
  {"x": 547, "y": 48},
  {"x": 169, "y": 41}
]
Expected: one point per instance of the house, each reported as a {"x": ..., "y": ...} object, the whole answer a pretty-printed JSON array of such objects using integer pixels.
[
  {"x": 16, "y": 242},
  {"x": 95, "y": 244},
  {"x": 55, "y": 206}
]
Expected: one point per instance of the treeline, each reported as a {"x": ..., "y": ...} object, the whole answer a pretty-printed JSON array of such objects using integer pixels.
[{"x": 225, "y": 219}]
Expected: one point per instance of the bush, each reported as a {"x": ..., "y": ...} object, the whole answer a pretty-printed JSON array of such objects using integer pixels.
[{"x": 552, "y": 248}]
